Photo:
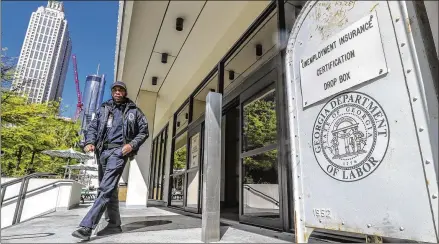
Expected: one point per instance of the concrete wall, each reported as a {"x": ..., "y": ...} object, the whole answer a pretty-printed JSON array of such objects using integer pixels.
[
  {"x": 60, "y": 196},
  {"x": 261, "y": 196},
  {"x": 199, "y": 108},
  {"x": 137, "y": 189}
]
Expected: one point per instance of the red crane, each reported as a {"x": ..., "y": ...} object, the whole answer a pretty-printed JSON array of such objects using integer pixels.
[{"x": 78, "y": 91}]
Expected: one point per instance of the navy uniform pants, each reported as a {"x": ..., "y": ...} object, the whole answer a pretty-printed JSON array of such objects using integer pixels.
[{"x": 111, "y": 166}]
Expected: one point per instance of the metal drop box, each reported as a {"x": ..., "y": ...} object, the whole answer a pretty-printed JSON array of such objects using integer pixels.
[{"x": 362, "y": 85}]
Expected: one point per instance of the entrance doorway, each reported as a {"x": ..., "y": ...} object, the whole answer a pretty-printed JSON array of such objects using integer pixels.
[
  {"x": 260, "y": 202},
  {"x": 230, "y": 187},
  {"x": 252, "y": 191}
]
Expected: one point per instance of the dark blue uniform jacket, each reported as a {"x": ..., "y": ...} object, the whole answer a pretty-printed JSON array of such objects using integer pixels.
[{"x": 135, "y": 126}]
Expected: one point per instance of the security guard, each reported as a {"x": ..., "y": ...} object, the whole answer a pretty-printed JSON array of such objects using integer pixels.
[{"x": 115, "y": 135}]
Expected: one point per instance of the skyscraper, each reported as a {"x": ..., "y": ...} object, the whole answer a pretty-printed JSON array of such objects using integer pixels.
[
  {"x": 93, "y": 95},
  {"x": 45, "y": 54}
]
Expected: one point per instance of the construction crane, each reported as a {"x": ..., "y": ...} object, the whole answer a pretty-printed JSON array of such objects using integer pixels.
[{"x": 78, "y": 91}]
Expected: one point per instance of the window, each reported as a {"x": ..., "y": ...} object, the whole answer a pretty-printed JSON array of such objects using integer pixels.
[
  {"x": 199, "y": 101},
  {"x": 182, "y": 119},
  {"x": 157, "y": 175},
  {"x": 259, "y": 152},
  {"x": 246, "y": 59},
  {"x": 178, "y": 170}
]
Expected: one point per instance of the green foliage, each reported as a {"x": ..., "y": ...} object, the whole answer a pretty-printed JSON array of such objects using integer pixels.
[
  {"x": 28, "y": 129},
  {"x": 260, "y": 124},
  {"x": 260, "y": 130},
  {"x": 180, "y": 158}
]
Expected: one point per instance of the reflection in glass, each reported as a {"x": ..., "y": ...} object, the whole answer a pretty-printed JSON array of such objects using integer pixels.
[
  {"x": 200, "y": 98},
  {"x": 244, "y": 61},
  {"x": 259, "y": 122},
  {"x": 177, "y": 191},
  {"x": 192, "y": 189},
  {"x": 157, "y": 168},
  {"x": 195, "y": 150},
  {"x": 182, "y": 119},
  {"x": 260, "y": 185},
  {"x": 180, "y": 154}
]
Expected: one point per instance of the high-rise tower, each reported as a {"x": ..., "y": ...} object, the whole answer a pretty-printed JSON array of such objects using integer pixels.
[
  {"x": 92, "y": 99},
  {"x": 45, "y": 54}
]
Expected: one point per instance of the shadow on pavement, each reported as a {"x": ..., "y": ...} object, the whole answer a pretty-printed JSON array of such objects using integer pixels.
[
  {"x": 143, "y": 224},
  {"x": 223, "y": 230},
  {"x": 26, "y": 236},
  {"x": 131, "y": 227}
]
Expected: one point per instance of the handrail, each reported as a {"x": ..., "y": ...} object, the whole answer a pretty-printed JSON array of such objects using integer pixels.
[
  {"x": 271, "y": 199},
  {"x": 13, "y": 182},
  {"x": 40, "y": 187},
  {"x": 21, "y": 195}
]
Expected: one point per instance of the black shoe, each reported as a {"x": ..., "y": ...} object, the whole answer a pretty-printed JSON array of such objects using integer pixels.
[
  {"x": 109, "y": 230},
  {"x": 83, "y": 233}
]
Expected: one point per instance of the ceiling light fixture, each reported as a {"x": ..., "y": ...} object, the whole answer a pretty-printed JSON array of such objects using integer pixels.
[
  {"x": 164, "y": 58},
  {"x": 179, "y": 25},
  {"x": 154, "y": 80},
  {"x": 231, "y": 74},
  {"x": 258, "y": 50}
]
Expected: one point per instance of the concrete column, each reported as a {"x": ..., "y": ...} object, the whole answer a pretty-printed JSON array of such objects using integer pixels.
[
  {"x": 210, "y": 231},
  {"x": 138, "y": 173}
]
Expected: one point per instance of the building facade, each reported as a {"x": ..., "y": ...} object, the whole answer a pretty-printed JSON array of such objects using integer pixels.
[
  {"x": 171, "y": 54},
  {"x": 93, "y": 95},
  {"x": 45, "y": 54}
]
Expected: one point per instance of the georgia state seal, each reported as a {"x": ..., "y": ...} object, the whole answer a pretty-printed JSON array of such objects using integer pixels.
[{"x": 350, "y": 136}]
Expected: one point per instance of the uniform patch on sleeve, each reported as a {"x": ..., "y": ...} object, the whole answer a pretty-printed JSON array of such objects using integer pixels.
[{"x": 131, "y": 116}]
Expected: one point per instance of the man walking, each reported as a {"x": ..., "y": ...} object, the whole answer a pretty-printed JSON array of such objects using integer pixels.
[{"x": 115, "y": 135}]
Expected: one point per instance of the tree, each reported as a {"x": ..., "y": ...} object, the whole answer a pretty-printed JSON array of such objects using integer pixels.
[
  {"x": 29, "y": 128},
  {"x": 260, "y": 130},
  {"x": 8, "y": 75},
  {"x": 7, "y": 68},
  {"x": 180, "y": 158}
]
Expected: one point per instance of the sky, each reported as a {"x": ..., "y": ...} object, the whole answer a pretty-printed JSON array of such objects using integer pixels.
[{"x": 92, "y": 26}]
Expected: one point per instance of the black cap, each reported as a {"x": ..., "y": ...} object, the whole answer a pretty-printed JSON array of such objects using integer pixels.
[{"x": 120, "y": 84}]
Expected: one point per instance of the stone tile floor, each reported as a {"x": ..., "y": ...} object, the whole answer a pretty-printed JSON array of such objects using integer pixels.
[{"x": 140, "y": 225}]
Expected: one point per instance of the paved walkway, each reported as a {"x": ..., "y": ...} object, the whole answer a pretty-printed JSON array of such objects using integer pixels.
[{"x": 147, "y": 225}]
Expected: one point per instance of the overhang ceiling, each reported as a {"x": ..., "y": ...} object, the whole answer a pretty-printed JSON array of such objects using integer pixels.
[{"x": 210, "y": 29}]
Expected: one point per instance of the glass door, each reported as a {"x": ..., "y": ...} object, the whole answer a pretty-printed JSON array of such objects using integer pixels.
[
  {"x": 158, "y": 165},
  {"x": 193, "y": 171},
  {"x": 259, "y": 171}
]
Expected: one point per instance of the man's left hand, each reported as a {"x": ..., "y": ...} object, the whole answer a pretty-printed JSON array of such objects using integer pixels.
[{"x": 126, "y": 149}]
